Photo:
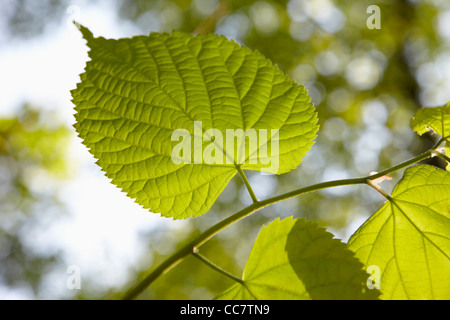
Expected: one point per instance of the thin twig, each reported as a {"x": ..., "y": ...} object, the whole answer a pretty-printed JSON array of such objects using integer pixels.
[
  {"x": 188, "y": 249},
  {"x": 215, "y": 267}
]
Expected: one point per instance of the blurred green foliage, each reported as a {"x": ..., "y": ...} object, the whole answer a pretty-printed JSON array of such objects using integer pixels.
[
  {"x": 32, "y": 154},
  {"x": 365, "y": 83}
]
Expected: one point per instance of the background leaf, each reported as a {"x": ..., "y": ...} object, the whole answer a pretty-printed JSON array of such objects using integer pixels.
[
  {"x": 435, "y": 119},
  {"x": 295, "y": 259},
  {"x": 408, "y": 238},
  {"x": 136, "y": 92}
]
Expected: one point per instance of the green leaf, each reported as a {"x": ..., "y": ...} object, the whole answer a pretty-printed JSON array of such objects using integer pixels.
[
  {"x": 408, "y": 238},
  {"x": 435, "y": 119},
  {"x": 295, "y": 259},
  {"x": 135, "y": 93}
]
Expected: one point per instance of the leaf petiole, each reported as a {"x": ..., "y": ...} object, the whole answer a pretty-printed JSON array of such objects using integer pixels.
[
  {"x": 247, "y": 184},
  {"x": 443, "y": 156},
  {"x": 378, "y": 188},
  {"x": 215, "y": 267}
]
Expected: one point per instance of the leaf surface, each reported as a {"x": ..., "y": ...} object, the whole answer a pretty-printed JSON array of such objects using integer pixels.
[
  {"x": 295, "y": 259},
  {"x": 408, "y": 238},
  {"x": 135, "y": 93},
  {"x": 436, "y": 119}
]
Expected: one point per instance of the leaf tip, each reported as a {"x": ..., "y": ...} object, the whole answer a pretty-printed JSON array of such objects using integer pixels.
[{"x": 87, "y": 34}]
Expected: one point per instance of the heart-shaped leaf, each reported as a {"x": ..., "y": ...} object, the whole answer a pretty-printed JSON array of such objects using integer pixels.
[{"x": 156, "y": 110}]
